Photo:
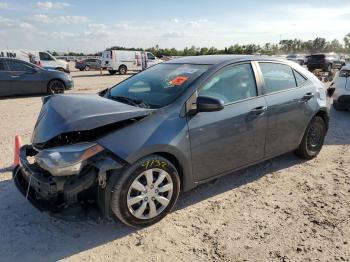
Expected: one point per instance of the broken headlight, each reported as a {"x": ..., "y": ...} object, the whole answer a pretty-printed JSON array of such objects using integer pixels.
[{"x": 67, "y": 160}]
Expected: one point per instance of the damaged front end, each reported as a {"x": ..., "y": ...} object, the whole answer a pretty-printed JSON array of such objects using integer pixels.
[{"x": 57, "y": 178}]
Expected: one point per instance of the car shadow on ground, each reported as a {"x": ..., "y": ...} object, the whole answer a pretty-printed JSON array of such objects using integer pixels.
[
  {"x": 21, "y": 96},
  {"x": 46, "y": 238}
]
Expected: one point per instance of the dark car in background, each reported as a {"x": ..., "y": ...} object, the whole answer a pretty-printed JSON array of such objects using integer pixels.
[
  {"x": 132, "y": 148},
  {"x": 18, "y": 77},
  {"x": 88, "y": 64},
  {"x": 325, "y": 61}
]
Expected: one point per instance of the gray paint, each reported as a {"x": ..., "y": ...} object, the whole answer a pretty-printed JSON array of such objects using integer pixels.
[
  {"x": 206, "y": 145},
  {"x": 25, "y": 83}
]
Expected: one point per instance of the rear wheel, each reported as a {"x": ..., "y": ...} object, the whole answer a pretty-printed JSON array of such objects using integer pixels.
[
  {"x": 146, "y": 192},
  {"x": 122, "y": 70},
  {"x": 112, "y": 72},
  {"x": 55, "y": 87},
  {"x": 313, "y": 139}
]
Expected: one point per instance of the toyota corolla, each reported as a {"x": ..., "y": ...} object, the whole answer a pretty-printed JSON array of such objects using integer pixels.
[{"x": 132, "y": 148}]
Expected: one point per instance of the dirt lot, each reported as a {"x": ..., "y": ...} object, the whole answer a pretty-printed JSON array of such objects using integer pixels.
[{"x": 285, "y": 209}]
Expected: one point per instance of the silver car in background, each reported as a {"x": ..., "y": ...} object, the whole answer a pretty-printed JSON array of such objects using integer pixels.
[{"x": 341, "y": 96}]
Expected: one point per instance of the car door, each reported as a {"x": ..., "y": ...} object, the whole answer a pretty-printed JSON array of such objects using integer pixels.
[
  {"x": 5, "y": 79},
  {"x": 47, "y": 60},
  {"x": 289, "y": 97},
  {"x": 25, "y": 79},
  {"x": 235, "y": 136}
]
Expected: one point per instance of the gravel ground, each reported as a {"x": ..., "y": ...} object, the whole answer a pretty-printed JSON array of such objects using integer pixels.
[{"x": 285, "y": 209}]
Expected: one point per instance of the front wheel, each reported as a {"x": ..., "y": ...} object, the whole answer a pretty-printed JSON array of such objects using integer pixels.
[
  {"x": 87, "y": 68},
  {"x": 55, "y": 87},
  {"x": 146, "y": 192},
  {"x": 313, "y": 139}
]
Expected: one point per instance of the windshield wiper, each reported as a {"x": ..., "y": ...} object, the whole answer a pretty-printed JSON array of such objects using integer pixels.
[{"x": 130, "y": 101}]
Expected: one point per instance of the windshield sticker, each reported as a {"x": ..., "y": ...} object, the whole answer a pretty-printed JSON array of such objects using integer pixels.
[{"x": 178, "y": 81}]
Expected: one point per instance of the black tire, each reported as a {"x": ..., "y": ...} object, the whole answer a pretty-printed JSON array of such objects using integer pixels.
[
  {"x": 118, "y": 204},
  {"x": 313, "y": 139},
  {"x": 55, "y": 87},
  {"x": 123, "y": 70},
  {"x": 338, "y": 107},
  {"x": 87, "y": 68},
  {"x": 112, "y": 72}
]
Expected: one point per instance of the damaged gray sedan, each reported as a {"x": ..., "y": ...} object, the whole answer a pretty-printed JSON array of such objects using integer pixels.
[{"x": 132, "y": 148}]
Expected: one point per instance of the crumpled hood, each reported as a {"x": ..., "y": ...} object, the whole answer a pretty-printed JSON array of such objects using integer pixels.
[{"x": 68, "y": 113}]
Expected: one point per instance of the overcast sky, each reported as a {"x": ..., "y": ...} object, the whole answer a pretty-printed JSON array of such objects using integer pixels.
[{"x": 90, "y": 26}]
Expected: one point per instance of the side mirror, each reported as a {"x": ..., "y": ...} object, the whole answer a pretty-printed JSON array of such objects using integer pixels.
[{"x": 209, "y": 104}]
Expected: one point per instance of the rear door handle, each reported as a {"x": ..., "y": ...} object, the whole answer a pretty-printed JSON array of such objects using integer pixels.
[
  {"x": 307, "y": 97},
  {"x": 14, "y": 76},
  {"x": 259, "y": 110}
]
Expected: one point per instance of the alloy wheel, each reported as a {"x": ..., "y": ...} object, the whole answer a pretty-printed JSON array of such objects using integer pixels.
[{"x": 150, "y": 193}]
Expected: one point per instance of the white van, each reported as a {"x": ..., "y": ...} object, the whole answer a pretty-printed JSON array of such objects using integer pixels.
[
  {"x": 40, "y": 58},
  {"x": 123, "y": 61}
]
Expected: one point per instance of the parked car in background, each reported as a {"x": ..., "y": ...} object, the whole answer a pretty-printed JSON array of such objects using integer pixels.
[
  {"x": 88, "y": 64},
  {"x": 18, "y": 77},
  {"x": 123, "y": 61},
  {"x": 324, "y": 61},
  {"x": 40, "y": 58},
  {"x": 297, "y": 58},
  {"x": 341, "y": 94},
  {"x": 132, "y": 148}
]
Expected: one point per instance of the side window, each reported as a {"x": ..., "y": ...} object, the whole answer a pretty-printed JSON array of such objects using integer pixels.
[
  {"x": 231, "y": 84},
  {"x": 2, "y": 66},
  {"x": 150, "y": 56},
  {"x": 277, "y": 77},
  {"x": 45, "y": 56},
  {"x": 299, "y": 78},
  {"x": 15, "y": 66}
]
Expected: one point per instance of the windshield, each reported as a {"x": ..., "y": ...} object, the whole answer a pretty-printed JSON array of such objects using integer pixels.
[{"x": 159, "y": 85}]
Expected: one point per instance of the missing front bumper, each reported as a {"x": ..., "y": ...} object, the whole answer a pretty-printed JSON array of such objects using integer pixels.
[{"x": 51, "y": 193}]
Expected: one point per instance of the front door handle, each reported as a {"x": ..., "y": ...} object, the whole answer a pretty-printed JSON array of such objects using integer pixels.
[
  {"x": 14, "y": 76},
  {"x": 259, "y": 110}
]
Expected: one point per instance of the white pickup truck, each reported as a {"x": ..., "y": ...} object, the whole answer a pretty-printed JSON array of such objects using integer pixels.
[{"x": 40, "y": 58}]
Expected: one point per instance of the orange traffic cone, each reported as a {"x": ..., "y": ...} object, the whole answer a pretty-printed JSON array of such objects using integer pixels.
[{"x": 16, "y": 153}]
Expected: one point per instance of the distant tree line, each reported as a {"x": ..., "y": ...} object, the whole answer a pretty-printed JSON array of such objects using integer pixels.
[{"x": 285, "y": 46}]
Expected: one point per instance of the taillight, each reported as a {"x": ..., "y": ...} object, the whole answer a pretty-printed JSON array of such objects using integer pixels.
[{"x": 344, "y": 73}]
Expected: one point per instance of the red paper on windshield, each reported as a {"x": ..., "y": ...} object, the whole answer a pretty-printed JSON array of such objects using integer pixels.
[{"x": 179, "y": 80}]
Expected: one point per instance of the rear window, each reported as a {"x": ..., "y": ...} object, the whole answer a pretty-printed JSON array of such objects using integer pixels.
[
  {"x": 300, "y": 79},
  {"x": 277, "y": 77},
  {"x": 318, "y": 56}
]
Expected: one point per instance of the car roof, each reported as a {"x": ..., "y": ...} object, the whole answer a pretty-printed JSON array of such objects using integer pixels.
[{"x": 219, "y": 59}]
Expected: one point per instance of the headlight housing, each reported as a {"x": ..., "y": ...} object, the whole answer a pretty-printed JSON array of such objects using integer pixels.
[{"x": 67, "y": 160}]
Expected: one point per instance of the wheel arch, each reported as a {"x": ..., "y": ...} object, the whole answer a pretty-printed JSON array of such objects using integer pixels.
[
  {"x": 324, "y": 115},
  {"x": 178, "y": 159}
]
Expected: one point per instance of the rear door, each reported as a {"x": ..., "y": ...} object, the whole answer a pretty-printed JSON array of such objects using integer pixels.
[
  {"x": 235, "y": 136},
  {"x": 5, "y": 80},
  {"x": 25, "y": 79},
  {"x": 290, "y": 99}
]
